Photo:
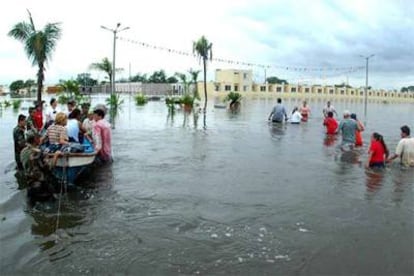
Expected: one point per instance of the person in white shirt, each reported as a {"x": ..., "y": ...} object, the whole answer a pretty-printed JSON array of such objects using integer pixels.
[
  {"x": 328, "y": 108},
  {"x": 296, "y": 116},
  {"x": 405, "y": 149},
  {"x": 51, "y": 112}
]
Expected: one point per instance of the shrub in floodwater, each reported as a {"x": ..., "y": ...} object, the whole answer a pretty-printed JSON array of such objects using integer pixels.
[
  {"x": 6, "y": 103},
  {"x": 16, "y": 104},
  {"x": 140, "y": 99},
  {"x": 115, "y": 102}
]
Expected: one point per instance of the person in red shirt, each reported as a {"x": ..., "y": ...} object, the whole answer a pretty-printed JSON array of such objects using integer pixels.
[
  {"x": 38, "y": 116},
  {"x": 378, "y": 152},
  {"x": 330, "y": 123}
]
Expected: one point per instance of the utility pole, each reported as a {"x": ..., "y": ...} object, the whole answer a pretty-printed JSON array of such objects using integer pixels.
[
  {"x": 114, "y": 31},
  {"x": 366, "y": 85}
]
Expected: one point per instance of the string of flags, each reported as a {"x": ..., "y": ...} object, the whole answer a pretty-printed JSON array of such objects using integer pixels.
[{"x": 249, "y": 64}]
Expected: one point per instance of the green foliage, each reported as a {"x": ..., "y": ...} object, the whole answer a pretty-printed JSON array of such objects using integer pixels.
[
  {"x": 158, "y": 77},
  {"x": 233, "y": 97},
  {"x": 140, "y": 99},
  {"x": 407, "y": 89},
  {"x": 171, "y": 102},
  {"x": 16, "y": 104},
  {"x": 6, "y": 103},
  {"x": 85, "y": 79},
  {"x": 172, "y": 79},
  {"x": 276, "y": 80},
  {"x": 343, "y": 85},
  {"x": 17, "y": 85},
  {"x": 38, "y": 45},
  {"x": 63, "y": 98},
  {"x": 115, "y": 102},
  {"x": 187, "y": 99},
  {"x": 194, "y": 79},
  {"x": 139, "y": 78},
  {"x": 204, "y": 51}
]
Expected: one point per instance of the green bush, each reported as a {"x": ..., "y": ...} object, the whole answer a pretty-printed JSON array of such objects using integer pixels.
[
  {"x": 187, "y": 99},
  {"x": 140, "y": 99},
  {"x": 233, "y": 97},
  {"x": 16, "y": 104}
]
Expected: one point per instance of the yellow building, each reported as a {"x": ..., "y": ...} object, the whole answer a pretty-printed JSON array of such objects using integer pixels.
[{"x": 227, "y": 80}]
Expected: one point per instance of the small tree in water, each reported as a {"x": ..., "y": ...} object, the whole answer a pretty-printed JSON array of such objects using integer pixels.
[{"x": 204, "y": 51}]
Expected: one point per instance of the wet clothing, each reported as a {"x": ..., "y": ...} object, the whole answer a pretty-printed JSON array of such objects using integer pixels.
[
  {"x": 304, "y": 111},
  {"x": 405, "y": 149},
  {"x": 358, "y": 134},
  {"x": 30, "y": 124},
  {"x": 102, "y": 135},
  {"x": 38, "y": 120},
  {"x": 278, "y": 113},
  {"x": 19, "y": 144},
  {"x": 331, "y": 125},
  {"x": 377, "y": 153},
  {"x": 348, "y": 127},
  {"x": 296, "y": 117}
]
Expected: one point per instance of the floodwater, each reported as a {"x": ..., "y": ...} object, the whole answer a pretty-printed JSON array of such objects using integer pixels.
[{"x": 229, "y": 194}]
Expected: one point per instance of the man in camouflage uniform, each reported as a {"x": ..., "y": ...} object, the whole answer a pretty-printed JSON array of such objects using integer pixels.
[
  {"x": 40, "y": 180},
  {"x": 19, "y": 140},
  {"x": 30, "y": 125}
]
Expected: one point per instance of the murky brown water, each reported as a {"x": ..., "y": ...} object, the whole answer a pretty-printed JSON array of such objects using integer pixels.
[{"x": 239, "y": 197}]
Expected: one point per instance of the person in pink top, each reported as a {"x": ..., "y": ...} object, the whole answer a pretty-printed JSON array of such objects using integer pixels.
[{"x": 102, "y": 136}]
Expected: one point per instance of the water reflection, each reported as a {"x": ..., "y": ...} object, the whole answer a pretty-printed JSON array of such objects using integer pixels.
[
  {"x": 374, "y": 179},
  {"x": 277, "y": 130},
  {"x": 330, "y": 140}
]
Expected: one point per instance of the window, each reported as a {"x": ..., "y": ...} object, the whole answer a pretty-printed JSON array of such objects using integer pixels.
[
  {"x": 262, "y": 88},
  {"x": 342, "y": 92},
  {"x": 236, "y": 88},
  {"x": 307, "y": 90},
  {"x": 236, "y": 73},
  {"x": 245, "y": 88},
  {"x": 227, "y": 87},
  {"x": 217, "y": 87},
  {"x": 319, "y": 90},
  {"x": 244, "y": 75},
  {"x": 278, "y": 89},
  {"x": 331, "y": 91},
  {"x": 293, "y": 89}
]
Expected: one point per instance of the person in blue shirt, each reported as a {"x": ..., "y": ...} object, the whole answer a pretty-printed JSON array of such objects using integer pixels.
[{"x": 278, "y": 114}]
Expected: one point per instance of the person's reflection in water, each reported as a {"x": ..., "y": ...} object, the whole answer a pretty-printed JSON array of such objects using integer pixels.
[
  {"x": 330, "y": 140},
  {"x": 277, "y": 130},
  {"x": 374, "y": 181},
  {"x": 401, "y": 177}
]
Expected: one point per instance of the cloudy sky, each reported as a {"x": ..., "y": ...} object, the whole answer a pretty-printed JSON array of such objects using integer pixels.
[{"x": 315, "y": 42}]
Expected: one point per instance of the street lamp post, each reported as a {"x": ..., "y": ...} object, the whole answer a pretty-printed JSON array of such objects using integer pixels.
[
  {"x": 366, "y": 85},
  {"x": 114, "y": 31}
]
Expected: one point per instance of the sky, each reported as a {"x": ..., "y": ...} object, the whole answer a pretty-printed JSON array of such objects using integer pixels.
[{"x": 307, "y": 42}]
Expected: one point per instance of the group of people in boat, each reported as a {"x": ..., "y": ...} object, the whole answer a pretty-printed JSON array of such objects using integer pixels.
[
  {"x": 55, "y": 131},
  {"x": 351, "y": 130}
]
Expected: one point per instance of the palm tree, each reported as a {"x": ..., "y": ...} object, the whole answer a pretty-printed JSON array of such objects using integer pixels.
[
  {"x": 38, "y": 45},
  {"x": 194, "y": 78},
  {"x": 204, "y": 51},
  {"x": 104, "y": 66}
]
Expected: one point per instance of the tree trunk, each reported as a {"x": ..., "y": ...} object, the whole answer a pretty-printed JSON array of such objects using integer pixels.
[
  {"x": 205, "y": 83},
  {"x": 40, "y": 77}
]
